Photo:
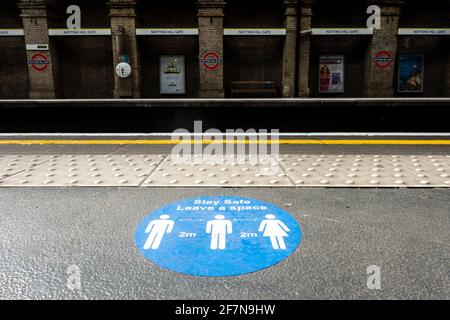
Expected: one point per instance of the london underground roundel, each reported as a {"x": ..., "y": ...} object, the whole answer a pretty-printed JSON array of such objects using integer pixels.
[
  {"x": 211, "y": 60},
  {"x": 39, "y": 61},
  {"x": 383, "y": 59},
  {"x": 218, "y": 236}
]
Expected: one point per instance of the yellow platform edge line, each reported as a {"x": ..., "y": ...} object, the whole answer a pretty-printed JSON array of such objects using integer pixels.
[{"x": 231, "y": 141}]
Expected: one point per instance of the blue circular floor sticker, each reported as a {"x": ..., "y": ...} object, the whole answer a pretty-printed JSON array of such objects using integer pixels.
[{"x": 218, "y": 236}]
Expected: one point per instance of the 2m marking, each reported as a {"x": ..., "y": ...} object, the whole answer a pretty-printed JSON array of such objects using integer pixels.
[
  {"x": 187, "y": 235},
  {"x": 248, "y": 235}
]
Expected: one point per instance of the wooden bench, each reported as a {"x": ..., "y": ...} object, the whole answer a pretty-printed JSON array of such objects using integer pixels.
[{"x": 253, "y": 89}]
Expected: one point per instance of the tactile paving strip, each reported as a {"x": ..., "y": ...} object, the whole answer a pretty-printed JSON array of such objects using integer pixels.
[
  {"x": 232, "y": 171},
  {"x": 364, "y": 170},
  {"x": 218, "y": 171},
  {"x": 87, "y": 170},
  {"x": 11, "y": 165},
  {"x": 434, "y": 168}
]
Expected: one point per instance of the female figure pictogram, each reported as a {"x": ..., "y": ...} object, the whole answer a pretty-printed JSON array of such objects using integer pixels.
[{"x": 275, "y": 230}]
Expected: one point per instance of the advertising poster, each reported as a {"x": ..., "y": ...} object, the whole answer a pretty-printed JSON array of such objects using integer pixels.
[
  {"x": 172, "y": 75},
  {"x": 410, "y": 73},
  {"x": 331, "y": 74}
]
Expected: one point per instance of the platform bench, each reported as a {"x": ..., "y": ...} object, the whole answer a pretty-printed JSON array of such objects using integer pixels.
[{"x": 253, "y": 89}]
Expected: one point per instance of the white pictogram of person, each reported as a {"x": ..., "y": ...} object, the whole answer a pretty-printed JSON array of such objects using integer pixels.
[
  {"x": 276, "y": 230},
  {"x": 218, "y": 229},
  {"x": 157, "y": 229}
]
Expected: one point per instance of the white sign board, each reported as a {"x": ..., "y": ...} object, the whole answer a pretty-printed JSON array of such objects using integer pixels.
[
  {"x": 79, "y": 32},
  {"x": 331, "y": 74},
  {"x": 172, "y": 75},
  {"x": 424, "y": 32},
  {"x": 341, "y": 32},
  {"x": 11, "y": 32},
  {"x": 254, "y": 32},
  {"x": 167, "y": 32},
  {"x": 37, "y": 47},
  {"x": 123, "y": 70}
]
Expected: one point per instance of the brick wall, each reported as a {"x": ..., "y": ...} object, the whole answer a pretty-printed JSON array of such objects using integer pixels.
[
  {"x": 435, "y": 51},
  {"x": 254, "y": 14},
  {"x": 256, "y": 58},
  {"x": 176, "y": 14},
  {"x": 94, "y": 14},
  {"x": 10, "y": 14},
  {"x": 447, "y": 59},
  {"x": 253, "y": 58},
  {"x": 179, "y": 14},
  {"x": 123, "y": 15},
  {"x": 332, "y": 14},
  {"x": 13, "y": 70},
  {"x": 419, "y": 13},
  {"x": 83, "y": 63},
  {"x": 379, "y": 82},
  {"x": 289, "y": 49},
  {"x": 353, "y": 49},
  {"x": 34, "y": 19},
  {"x": 304, "y": 48},
  {"x": 210, "y": 24},
  {"x": 84, "y": 66}
]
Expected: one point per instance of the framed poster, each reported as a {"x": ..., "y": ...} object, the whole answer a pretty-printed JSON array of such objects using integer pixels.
[
  {"x": 172, "y": 75},
  {"x": 410, "y": 73},
  {"x": 331, "y": 74}
]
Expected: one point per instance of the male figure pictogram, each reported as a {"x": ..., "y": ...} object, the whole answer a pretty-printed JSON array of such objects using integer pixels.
[
  {"x": 218, "y": 229},
  {"x": 157, "y": 229}
]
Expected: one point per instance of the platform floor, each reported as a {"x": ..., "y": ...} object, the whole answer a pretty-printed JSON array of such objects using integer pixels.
[
  {"x": 44, "y": 231},
  {"x": 358, "y": 205},
  {"x": 143, "y": 161}
]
